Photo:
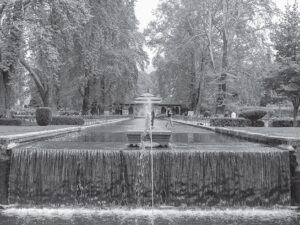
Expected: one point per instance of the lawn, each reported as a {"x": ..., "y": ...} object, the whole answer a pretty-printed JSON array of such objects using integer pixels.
[
  {"x": 10, "y": 130},
  {"x": 293, "y": 132}
]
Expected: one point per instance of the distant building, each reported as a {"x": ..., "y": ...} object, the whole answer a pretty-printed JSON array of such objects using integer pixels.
[{"x": 137, "y": 106}]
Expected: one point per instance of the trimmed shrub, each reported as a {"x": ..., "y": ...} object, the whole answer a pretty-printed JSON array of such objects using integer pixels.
[
  {"x": 258, "y": 123},
  {"x": 43, "y": 116},
  {"x": 229, "y": 122},
  {"x": 207, "y": 114},
  {"x": 69, "y": 113},
  {"x": 253, "y": 114},
  {"x": 10, "y": 122},
  {"x": 283, "y": 123},
  {"x": 65, "y": 120}
]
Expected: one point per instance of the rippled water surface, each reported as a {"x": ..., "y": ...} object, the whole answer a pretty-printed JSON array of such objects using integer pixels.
[
  {"x": 113, "y": 137},
  {"x": 83, "y": 216}
]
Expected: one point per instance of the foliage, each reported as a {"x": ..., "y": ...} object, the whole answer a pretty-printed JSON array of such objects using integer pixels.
[
  {"x": 258, "y": 123},
  {"x": 207, "y": 114},
  {"x": 229, "y": 122},
  {"x": 69, "y": 113},
  {"x": 64, "y": 46},
  {"x": 210, "y": 49},
  {"x": 112, "y": 53},
  {"x": 10, "y": 122},
  {"x": 283, "y": 123},
  {"x": 284, "y": 78},
  {"x": 43, "y": 116},
  {"x": 235, "y": 122},
  {"x": 65, "y": 120},
  {"x": 253, "y": 114}
]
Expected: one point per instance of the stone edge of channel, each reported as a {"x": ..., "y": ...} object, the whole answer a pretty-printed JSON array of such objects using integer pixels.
[{"x": 246, "y": 135}]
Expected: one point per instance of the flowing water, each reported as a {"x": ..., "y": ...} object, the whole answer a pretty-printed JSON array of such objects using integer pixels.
[
  {"x": 84, "y": 216},
  {"x": 181, "y": 177}
]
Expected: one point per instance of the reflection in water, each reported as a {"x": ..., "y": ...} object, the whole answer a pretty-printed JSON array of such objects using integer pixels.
[
  {"x": 96, "y": 136},
  {"x": 47, "y": 216}
]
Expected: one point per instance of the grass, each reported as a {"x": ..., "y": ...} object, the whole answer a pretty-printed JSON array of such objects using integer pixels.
[
  {"x": 10, "y": 130},
  {"x": 293, "y": 132}
]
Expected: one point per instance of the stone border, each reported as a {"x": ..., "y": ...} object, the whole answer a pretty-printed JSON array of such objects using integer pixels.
[
  {"x": 246, "y": 135},
  {"x": 10, "y": 141}
]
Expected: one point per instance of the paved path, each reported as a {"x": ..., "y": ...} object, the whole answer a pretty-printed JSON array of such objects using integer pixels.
[{"x": 291, "y": 132}]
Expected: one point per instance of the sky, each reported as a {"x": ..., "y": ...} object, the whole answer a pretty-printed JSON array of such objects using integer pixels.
[{"x": 144, "y": 13}]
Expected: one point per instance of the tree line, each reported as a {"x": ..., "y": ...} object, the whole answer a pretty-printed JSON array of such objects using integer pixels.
[
  {"x": 220, "y": 53},
  {"x": 69, "y": 54}
]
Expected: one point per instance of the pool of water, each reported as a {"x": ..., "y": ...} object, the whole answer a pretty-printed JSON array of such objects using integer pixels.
[
  {"x": 113, "y": 138},
  {"x": 84, "y": 216}
]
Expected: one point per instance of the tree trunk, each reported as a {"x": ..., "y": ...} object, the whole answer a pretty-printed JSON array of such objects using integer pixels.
[
  {"x": 296, "y": 104},
  {"x": 295, "y": 114},
  {"x": 43, "y": 89},
  {"x": 86, "y": 99},
  {"x": 5, "y": 92},
  {"x": 210, "y": 41},
  {"x": 193, "y": 91},
  {"x": 46, "y": 98},
  {"x": 200, "y": 85},
  {"x": 222, "y": 86},
  {"x": 103, "y": 94},
  {"x": 2, "y": 95},
  {"x": 6, "y": 81}
]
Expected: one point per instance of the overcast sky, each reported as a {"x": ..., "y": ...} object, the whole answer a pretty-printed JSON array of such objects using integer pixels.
[{"x": 144, "y": 12}]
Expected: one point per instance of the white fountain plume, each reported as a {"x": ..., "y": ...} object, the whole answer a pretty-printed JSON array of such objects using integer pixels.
[
  {"x": 151, "y": 152},
  {"x": 148, "y": 130}
]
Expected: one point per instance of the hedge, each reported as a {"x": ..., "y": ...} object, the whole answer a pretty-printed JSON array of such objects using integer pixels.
[
  {"x": 283, "y": 123},
  {"x": 258, "y": 123},
  {"x": 253, "y": 114},
  {"x": 229, "y": 122},
  {"x": 10, "y": 122},
  {"x": 234, "y": 122},
  {"x": 69, "y": 113},
  {"x": 43, "y": 116},
  {"x": 65, "y": 120}
]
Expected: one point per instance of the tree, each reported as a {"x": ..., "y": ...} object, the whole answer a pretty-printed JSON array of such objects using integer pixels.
[
  {"x": 285, "y": 81},
  {"x": 11, "y": 17},
  {"x": 64, "y": 46},
  {"x": 284, "y": 78},
  {"x": 112, "y": 53},
  {"x": 205, "y": 45},
  {"x": 49, "y": 27}
]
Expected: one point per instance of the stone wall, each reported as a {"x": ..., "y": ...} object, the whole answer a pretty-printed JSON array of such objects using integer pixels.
[{"x": 4, "y": 174}]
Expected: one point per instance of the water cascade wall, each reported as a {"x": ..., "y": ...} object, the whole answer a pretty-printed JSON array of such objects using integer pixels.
[{"x": 181, "y": 178}]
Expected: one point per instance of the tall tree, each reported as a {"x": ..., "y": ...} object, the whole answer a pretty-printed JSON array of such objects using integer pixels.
[
  {"x": 113, "y": 53},
  {"x": 202, "y": 39},
  {"x": 49, "y": 27},
  {"x": 284, "y": 77},
  {"x": 11, "y": 17}
]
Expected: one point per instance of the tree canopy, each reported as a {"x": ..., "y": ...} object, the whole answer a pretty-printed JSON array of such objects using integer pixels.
[
  {"x": 284, "y": 76},
  {"x": 209, "y": 52},
  {"x": 70, "y": 50}
]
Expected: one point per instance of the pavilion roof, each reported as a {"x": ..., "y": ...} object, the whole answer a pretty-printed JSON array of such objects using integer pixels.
[{"x": 146, "y": 98}]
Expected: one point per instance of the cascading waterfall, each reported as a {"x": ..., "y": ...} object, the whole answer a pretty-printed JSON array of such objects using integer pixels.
[{"x": 180, "y": 177}]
